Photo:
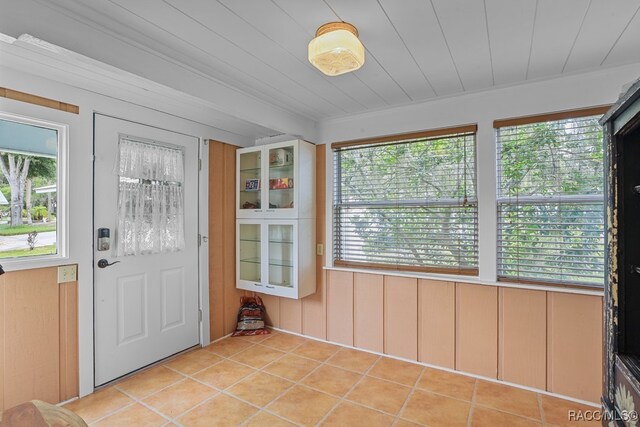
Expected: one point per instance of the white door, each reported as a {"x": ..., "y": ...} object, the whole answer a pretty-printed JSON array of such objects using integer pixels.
[{"x": 146, "y": 305}]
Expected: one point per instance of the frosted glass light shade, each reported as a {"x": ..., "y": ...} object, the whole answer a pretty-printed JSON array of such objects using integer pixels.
[{"x": 336, "y": 49}]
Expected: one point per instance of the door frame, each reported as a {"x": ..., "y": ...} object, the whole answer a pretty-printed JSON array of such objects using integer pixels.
[{"x": 203, "y": 246}]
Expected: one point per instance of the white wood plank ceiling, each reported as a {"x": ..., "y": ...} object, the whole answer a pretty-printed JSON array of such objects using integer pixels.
[{"x": 415, "y": 49}]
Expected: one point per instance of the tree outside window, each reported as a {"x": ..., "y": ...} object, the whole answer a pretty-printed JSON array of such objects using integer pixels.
[{"x": 28, "y": 189}]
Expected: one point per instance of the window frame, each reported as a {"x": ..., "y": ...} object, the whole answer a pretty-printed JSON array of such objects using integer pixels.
[
  {"x": 462, "y": 130},
  {"x": 62, "y": 180},
  {"x": 582, "y": 198}
]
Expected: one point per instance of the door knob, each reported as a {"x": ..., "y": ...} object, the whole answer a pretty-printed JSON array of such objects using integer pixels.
[{"x": 104, "y": 263}]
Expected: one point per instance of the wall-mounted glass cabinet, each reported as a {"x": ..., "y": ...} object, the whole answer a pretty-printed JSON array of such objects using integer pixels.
[
  {"x": 276, "y": 181},
  {"x": 276, "y": 219},
  {"x": 274, "y": 259}
]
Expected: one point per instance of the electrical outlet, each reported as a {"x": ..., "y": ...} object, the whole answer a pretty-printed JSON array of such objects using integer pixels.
[
  {"x": 320, "y": 249},
  {"x": 67, "y": 273}
]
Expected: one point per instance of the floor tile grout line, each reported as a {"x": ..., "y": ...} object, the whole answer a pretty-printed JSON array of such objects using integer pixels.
[
  {"x": 472, "y": 403},
  {"x": 342, "y": 399},
  {"x": 261, "y": 410},
  {"x": 539, "y": 419},
  {"x": 524, "y": 417},
  {"x": 115, "y": 411},
  {"x": 299, "y": 381},
  {"x": 411, "y": 392},
  {"x": 440, "y": 394},
  {"x": 175, "y": 418},
  {"x": 541, "y": 409},
  {"x": 217, "y": 393},
  {"x": 154, "y": 392},
  {"x": 215, "y": 389},
  {"x": 151, "y": 408},
  {"x": 139, "y": 400}
]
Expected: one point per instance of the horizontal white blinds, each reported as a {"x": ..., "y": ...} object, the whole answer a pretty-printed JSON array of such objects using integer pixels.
[
  {"x": 407, "y": 204},
  {"x": 550, "y": 202}
]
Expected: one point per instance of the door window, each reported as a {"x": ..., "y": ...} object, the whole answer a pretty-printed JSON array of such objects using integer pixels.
[{"x": 150, "y": 198}]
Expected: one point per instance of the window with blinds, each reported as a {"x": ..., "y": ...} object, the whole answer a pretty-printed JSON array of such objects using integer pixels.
[
  {"x": 407, "y": 203},
  {"x": 551, "y": 202}
]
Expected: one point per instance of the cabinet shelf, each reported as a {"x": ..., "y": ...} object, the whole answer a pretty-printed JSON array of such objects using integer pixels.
[
  {"x": 273, "y": 262},
  {"x": 284, "y": 242},
  {"x": 281, "y": 166},
  {"x": 283, "y": 285},
  {"x": 281, "y": 263}
]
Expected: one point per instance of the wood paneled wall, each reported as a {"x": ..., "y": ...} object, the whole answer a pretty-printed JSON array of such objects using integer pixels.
[
  {"x": 546, "y": 340},
  {"x": 224, "y": 298},
  {"x": 38, "y": 337}
]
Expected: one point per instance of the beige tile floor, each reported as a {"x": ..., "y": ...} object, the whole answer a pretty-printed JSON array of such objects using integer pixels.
[{"x": 286, "y": 380}]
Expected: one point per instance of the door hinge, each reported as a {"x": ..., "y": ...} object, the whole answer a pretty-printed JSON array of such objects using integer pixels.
[
  {"x": 199, "y": 315},
  {"x": 199, "y": 164},
  {"x": 199, "y": 239}
]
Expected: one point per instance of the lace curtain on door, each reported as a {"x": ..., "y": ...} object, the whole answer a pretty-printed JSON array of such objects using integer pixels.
[{"x": 150, "y": 200}]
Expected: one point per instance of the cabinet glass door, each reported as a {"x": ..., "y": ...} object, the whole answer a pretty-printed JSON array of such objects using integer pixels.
[
  {"x": 281, "y": 239},
  {"x": 250, "y": 181},
  {"x": 281, "y": 178},
  {"x": 250, "y": 252}
]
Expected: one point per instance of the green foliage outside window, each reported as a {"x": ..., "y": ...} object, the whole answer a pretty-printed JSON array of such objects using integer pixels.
[
  {"x": 550, "y": 201},
  {"x": 408, "y": 204}
]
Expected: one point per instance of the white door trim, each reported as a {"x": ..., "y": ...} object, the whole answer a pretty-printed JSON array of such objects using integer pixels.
[{"x": 203, "y": 250}]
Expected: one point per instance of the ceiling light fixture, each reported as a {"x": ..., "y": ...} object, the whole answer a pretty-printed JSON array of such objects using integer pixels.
[{"x": 336, "y": 49}]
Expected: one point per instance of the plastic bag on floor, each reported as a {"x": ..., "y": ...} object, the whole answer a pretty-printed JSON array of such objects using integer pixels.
[{"x": 251, "y": 317}]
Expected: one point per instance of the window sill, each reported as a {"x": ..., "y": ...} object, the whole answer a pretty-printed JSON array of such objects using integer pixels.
[
  {"x": 31, "y": 263},
  {"x": 473, "y": 280}
]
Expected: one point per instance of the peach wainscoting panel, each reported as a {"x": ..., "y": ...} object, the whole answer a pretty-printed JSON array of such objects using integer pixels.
[
  {"x": 368, "y": 311},
  {"x": 523, "y": 337},
  {"x": 32, "y": 345},
  {"x": 401, "y": 317},
  {"x": 291, "y": 315},
  {"x": 477, "y": 329},
  {"x": 437, "y": 323},
  {"x": 272, "y": 305},
  {"x": 68, "y": 312},
  {"x": 574, "y": 340},
  {"x": 314, "y": 307},
  {"x": 38, "y": 337},
  {"x": 340, "y": 308}
]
